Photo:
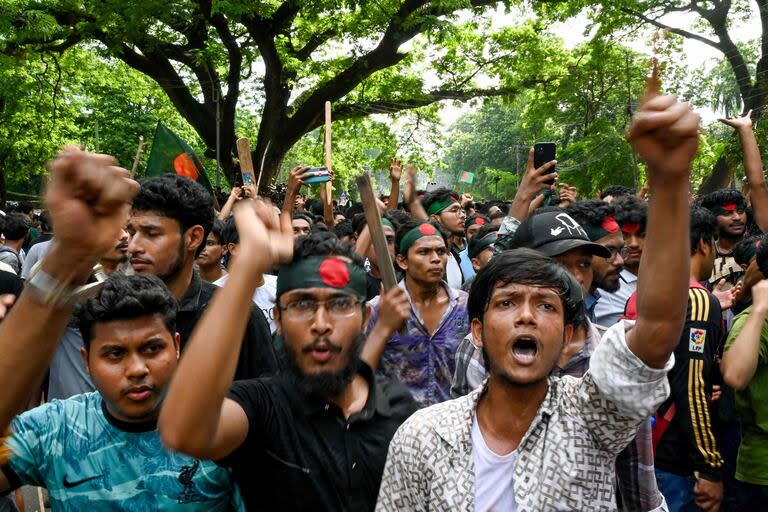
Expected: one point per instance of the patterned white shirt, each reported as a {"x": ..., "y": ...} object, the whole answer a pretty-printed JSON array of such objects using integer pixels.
[{"x": 565, "y": 461}]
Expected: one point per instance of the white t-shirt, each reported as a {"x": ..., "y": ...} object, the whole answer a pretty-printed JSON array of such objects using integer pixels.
[
  {"x": 264, "y": 297},
  {"x": 494, "y": 476},
  {"x": 453, "y": 273}
]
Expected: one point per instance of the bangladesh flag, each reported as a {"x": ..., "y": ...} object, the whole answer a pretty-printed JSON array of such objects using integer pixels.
[
  {"x": 466, "y": 177},
  {"x": 171, "y": 154}
]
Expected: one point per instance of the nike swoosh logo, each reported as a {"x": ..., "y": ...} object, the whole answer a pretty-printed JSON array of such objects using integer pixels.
[{"x": 70, "y": 485}]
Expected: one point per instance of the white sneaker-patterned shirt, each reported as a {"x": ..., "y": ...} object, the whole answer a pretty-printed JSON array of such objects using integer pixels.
[{"x": 565, "y": 461}]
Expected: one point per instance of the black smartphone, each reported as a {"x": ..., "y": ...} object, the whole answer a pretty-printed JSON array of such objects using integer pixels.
[{"x": 544, "y": 152}]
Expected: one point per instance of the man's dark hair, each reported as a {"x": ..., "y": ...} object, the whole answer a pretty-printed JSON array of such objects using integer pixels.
[
  {"x": 479, "y": 235},
  {"x": 413, "y": 223},
  {"x": 303, "y": 216},
  {"x": 631, "y": 209},
  {"x": 45, "y": 221},
  {"x": 15, "y": 226},
  {"x": 617, "y": 191},
  {"x": 703, "y": 226},
  {"x": 324, "y": 243},
  {"x": 591, "y": 212},
  {"x": 343, "y": 228},
  {"x": 318, "y": 225},
  {"x": 178, "y": 198},
  {"x": 721, "y": 197},
  {"x": 125, "y": 297},
  {"x": 397, "y": 217},
  {"x": 25, "y": 207},
  {"x": 229, "y": 233},
  {"x": 497, "y": 215},
  {"x": 217, "y": 229},
  {"x": 439, "y": 194},
  {"x": 761, "y": 256},
  {"x": 745, "y": 250},
  {"x": 527, "y": 267},
  {"x": 315, "y": 207}
]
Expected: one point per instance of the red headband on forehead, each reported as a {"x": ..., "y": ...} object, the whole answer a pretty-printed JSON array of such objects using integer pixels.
[
  {"x": 729, "y": 207},
  {"x": 427, "y": 229},
  {"x": 479, "y": 221},
  {"x": 630, "y": 227},
  {"x": 610, "y": 225}
]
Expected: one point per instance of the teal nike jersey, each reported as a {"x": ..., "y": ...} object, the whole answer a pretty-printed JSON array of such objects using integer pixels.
[{"x": 90, "y": 461}]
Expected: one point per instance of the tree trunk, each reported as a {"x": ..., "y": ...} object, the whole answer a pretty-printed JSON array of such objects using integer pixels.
[
  {"x": 720, "y": 177},
  {"x": 3, "y": 190}
]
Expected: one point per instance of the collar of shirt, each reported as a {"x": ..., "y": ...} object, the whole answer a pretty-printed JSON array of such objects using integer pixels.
[
  {"x": 189, "y": 301},
  {"x": 309, "y": 405},
  {"x": 453, "y": 299},
  {"x": 627, "y": 276}
]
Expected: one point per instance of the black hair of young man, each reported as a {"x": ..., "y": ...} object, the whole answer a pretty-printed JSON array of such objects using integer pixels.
[
  {"x": 617, "y": 191},
  {"x": 526, "y": 267},
  {"x": 631, "y": 209},
  {"x": 178, "y": 198},
  {"x": 591, "y": 212},
  {"x": 722, "y": 197},
  {"x": 343, "y": 228},
  {"x": 324, "y": 243},
  {"x": 412, "y": 223},
  {"x": 304, "y": 216},
  {"x": 15, "y": 226},
  {"x": 744, "y": 251},
  {"x": 703, "y": 227},
  {"x": 25, "y": 207},
  {"x": 439, "y": 194},
  {"x": 125, "y": 297}
]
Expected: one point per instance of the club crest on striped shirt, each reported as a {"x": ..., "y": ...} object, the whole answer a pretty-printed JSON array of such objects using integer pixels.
[{"x": 696, "y": 340}]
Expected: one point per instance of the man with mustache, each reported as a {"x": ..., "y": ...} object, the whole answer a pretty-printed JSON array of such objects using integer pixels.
[
  {"x": 729, "y": 208},
  {"x": 598, "y": 219},
  {"x": 313, "y": 437},
  {"x": 631, "y": 213},
  {"x": 169, "y": 223}
]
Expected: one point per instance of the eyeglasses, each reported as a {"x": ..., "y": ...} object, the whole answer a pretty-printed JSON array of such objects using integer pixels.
[
  {"x": 457, "y": 210},
  {"x": 621, "y": 251},
  {"x": 305, "y": 309}
]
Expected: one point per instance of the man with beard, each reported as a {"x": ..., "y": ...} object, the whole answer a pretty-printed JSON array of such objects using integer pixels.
[
  {"x": 631, "y": 212},
  {"x": 729, "y": 208},
  {"x": 314, "y": 437},
  {"x": 443, "y": 206},
  {"x": 170, "y": 221},
  {"x": 599, "y": 221},
  {"x": 526, "y": 441}
]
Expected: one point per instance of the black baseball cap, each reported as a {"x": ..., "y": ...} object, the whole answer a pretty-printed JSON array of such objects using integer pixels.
[{"x": 555, "y": 232}]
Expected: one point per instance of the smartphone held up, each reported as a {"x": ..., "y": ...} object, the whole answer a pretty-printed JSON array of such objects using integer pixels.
[{"x": 544, "y": 152}]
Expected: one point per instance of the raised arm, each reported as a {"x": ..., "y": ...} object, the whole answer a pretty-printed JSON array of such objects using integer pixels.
[
  {"x": 234, "y": 196},
  {"x": 409, "y": 196},
  {"x": 665, "y": 133},
  {"x": 753, "y": 167},
  {"x": 533, "y": 182},
  {"x": 740, "y": 358},
  {"x": 291, "y": 191},
  {"x": 212, "y": 426},
  {"x": 395, "y": 172},
  {"x": 89, "y": 200}
]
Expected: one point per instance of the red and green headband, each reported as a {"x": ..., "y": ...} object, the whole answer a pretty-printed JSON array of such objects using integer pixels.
[
  {"x": 438, "y": 206},
  {"x": 414, "y": 234},
  {"x": 609, "y": 226},
  {"x": 322, "y": 272}
]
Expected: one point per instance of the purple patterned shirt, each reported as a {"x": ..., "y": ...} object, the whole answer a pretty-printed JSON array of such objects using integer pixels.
[{"x": 424, "y": 363}]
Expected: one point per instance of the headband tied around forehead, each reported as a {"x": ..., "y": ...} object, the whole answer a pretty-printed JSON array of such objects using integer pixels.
[
  {"x": 478, "y": 246},
  {"x": 630, "y": 227},
  {"x": 322, "y": 272},
  {"x": 609, "y": 226},
  {"x": 438, "y": 206},
  {"x": 414, "y": 234},
  {"x": 725, "y": 209},
  {"x": 386, "y": 222},
  {"x": 477, "y": 220}
]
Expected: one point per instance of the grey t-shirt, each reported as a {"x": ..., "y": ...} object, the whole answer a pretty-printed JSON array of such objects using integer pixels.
[
  {"x": 67, "y": 375},
  {"x": 35, "y": 254}
]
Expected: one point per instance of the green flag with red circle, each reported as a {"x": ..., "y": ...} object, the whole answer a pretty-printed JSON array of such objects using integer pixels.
[
  {"x": 171, "y": 154},
  {"x": 466, "y": 177}
]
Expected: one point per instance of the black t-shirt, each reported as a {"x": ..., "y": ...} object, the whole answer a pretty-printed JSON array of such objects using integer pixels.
[
  {"x": 302, "y": 454},
  {"x": 10, "y": 283},
  {"x": 257, "y": 356}
]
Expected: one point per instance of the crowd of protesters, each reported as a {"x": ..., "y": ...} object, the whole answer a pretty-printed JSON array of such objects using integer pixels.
[{"x": 599, "y": 354}]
